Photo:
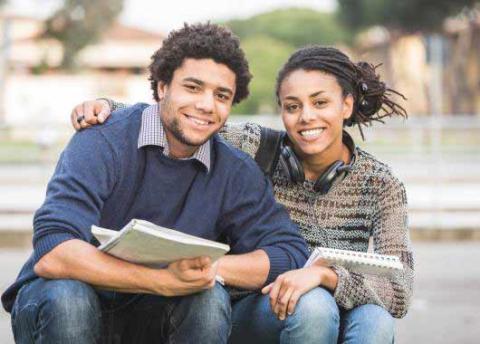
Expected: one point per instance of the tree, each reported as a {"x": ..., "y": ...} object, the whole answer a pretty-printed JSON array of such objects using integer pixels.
[
  {"x": 268, "y": 40},
  {"x": 425, "y": 17},
  {"x": 265, "y": 55},
  {"x": 295, "y": 26},
  {"x": 407, "y": 16},
  {"x": 79, "y": 23}
]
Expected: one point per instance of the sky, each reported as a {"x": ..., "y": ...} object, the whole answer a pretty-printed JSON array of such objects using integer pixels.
[{"x": 163, "y": 16}]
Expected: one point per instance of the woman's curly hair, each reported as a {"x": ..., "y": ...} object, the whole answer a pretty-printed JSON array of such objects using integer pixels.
[
  {"x": 372, "y": 98},
  {"x": 200, "y": 41}
]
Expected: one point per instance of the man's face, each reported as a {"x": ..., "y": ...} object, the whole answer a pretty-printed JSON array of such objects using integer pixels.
[{"x": 196, "y": 104}]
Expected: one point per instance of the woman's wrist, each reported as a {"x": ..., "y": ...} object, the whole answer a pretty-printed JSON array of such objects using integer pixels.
[{"x": 327, "y": 277}]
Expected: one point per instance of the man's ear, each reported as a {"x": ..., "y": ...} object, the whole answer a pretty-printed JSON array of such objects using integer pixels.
[{"x": 161, "y": 90}]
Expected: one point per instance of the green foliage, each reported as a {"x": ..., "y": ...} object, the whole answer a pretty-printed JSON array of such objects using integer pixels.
[
  {"x": 404, "y": 16},
  {"x": 294, "y": 26},
  {"x": 79, "y": 23},
  {"x": 268, "y": 40},
  {"x": 266, "y": 55}
]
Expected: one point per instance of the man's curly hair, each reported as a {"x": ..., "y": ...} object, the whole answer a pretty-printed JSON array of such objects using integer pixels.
[{"x": 200, "y": 41}]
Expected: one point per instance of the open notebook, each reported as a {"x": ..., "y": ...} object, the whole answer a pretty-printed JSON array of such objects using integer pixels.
[
  {"x": 361, "y": 262},
  {"x": 145, "y": 243}
]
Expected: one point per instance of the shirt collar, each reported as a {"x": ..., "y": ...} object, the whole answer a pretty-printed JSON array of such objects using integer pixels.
[{"x": 153, "y": 133}]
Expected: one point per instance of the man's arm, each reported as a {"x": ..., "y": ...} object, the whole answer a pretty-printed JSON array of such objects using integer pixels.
[
  {"x": 246, "y": 271},
  {"x": 264, "y": 241},
  {"x": 102, "y": 270},
  {"x": 83, "y": 180}
]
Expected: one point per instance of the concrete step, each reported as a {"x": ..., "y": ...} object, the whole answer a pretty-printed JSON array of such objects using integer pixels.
[{"x": 420, "y": 221}]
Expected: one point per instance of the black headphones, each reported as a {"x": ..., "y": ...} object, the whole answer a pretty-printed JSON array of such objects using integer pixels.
[{"x": 292, "y": 168}]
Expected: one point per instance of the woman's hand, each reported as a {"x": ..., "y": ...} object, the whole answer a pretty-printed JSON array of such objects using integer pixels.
[
  {"x": 287, "y": 289},
  {"x": 89, "y": 113}
]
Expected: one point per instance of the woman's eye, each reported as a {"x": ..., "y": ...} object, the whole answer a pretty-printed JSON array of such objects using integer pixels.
[
  {"x": 291, "y": 108},
  {"x": 319, "y": 103}
]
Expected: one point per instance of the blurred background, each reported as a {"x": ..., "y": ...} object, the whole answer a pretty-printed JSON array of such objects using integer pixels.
[{"x": 56, "y": 53}]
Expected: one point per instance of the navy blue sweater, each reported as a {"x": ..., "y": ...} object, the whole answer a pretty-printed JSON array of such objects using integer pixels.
[{"x": 102, "y": 178}]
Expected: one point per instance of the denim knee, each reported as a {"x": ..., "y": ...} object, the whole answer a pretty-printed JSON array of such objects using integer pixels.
[
  {"x": 315, "y": 319},
  {"x": 74, "y": 301},
  {"x": 213, "y": 304},
  {"x": 367, "y": 324},
  {"x": 55, "y": 311},
  {"x": 206, "y": 314}
]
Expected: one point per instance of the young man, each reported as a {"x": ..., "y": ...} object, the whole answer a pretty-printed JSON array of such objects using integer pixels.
[{"x": 163, "y": 163}]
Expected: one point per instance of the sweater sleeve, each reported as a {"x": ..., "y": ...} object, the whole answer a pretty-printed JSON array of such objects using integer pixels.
[
  {"x": 114, "y": 105},
  {"x": 83, "y": 179},
  {"x": 244, "y": 136},
  {"x": 390, "y": 236},
  {"x": 253, "y": 220}
]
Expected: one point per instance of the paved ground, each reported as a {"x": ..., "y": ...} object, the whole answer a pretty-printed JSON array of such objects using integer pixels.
[
  {"x": 445, "y": 308},
  {"x": 446, "y": 303}
]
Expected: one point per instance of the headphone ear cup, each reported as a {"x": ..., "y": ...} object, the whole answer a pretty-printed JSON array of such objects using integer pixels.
[
  {"x": 290, "y": 165},
  {"x": 325, "y": 181},
  {"x": 284, "y": 166}
]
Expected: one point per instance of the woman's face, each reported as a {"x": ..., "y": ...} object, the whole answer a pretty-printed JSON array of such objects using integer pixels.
[{"x": 313, "y": 110}]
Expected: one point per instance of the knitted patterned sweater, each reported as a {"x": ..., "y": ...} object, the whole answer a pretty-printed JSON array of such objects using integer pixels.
[{"x": 368, "y": 203}]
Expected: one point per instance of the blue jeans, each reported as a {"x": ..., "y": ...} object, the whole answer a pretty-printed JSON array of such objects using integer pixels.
[
  {"x": 317, "y": 319},
  {"x": 69, "y": 311}
]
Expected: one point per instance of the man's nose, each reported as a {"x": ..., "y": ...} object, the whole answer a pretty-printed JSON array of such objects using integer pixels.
[{"x": 206, "y": 103}]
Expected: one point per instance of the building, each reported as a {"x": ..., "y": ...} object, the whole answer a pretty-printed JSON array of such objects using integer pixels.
[{"x": 35, "y": 93}]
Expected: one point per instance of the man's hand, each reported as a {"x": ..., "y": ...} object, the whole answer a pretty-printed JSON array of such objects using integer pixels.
[
  {"x": 191, "y": 276},
  {"x": 90, "y": 113}
]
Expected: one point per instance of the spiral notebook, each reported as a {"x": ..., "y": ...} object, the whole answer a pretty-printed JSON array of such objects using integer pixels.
[{"x": 361, "y": 262}]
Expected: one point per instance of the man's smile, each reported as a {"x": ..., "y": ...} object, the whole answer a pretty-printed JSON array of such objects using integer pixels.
[{"x": 200, "y": 122}]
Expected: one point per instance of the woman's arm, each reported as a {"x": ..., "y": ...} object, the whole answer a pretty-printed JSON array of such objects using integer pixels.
[
  {"x": 244, "y": 136},
  {"x": 289, "y": 287},
  {"x": 93, "y": 112},
  {"x": 390, "y": 236}
]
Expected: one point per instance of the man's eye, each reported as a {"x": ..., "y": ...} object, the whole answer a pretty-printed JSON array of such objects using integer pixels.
[
  {"x": 192, "y": 87},
  {"x": 223, "y": 97},
  {"x": 319, "y": 103}
]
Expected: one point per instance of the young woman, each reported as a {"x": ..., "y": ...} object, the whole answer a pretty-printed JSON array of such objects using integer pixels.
[{"x": 340, "y": 197}]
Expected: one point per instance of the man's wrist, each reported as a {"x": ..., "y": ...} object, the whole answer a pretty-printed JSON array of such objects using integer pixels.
[
  {"x": 160, "y": 282},
  {"x": 220, "y": 279}
]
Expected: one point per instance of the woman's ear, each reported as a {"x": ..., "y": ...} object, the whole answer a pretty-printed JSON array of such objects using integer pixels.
[{"x": 347, "y": 106}]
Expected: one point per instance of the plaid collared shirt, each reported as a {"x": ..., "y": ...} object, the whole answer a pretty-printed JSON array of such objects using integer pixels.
[{"x": 153, "y": 133}]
